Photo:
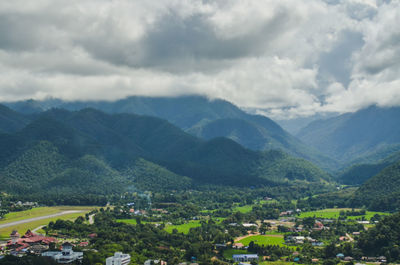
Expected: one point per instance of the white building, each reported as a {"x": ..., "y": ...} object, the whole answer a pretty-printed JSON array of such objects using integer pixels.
[
  {"x": 67, "y": 255},
  {"x": 119, "y": 259},
  {"x": 157, "y": 262},
  {"x": 245, "y": 257}
]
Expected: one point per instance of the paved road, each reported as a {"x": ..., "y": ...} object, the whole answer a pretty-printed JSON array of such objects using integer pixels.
[{"x": 38, "y": 218}]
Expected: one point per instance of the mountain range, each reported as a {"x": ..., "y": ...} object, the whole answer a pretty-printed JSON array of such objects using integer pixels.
[
  {"x": 158, "y": 143},
  {"x": 91, "y": 152},
  {"x": 200, "y": 117},
  {"x": 365, "y": 136}
]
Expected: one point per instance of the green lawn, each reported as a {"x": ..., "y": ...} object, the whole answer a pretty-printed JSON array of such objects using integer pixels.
[
  {"x": 264, "y": 240},
  {"x": 183, "y": 228},
  {"x": 243, "y": 209},
  {"x": 335, "y": 213},
  {"x": 127, "y": 221},
  {"x": 37, "y": 212},
  {"x": 229, "y": 252}
]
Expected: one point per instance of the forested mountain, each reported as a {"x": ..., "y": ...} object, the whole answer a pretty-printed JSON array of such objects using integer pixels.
[
  {"x": 359, "y": 173},
  {"x": 91, "y": 152},
  {"x": 382, "y": 191},
  {"x": 10, "y": 120},
  {"x": 201, "y": 117},
  {"x": 382, "y": 239},
  {"x": 372, "y": 133}
]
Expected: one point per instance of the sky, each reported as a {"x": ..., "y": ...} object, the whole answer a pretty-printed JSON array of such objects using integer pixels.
[{"x": 282, "y": 58}]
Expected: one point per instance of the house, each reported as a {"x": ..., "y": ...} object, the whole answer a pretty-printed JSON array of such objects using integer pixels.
[
  {"x": 119, "y": 259},
  {"x": 245, "y": 257},
  {"x": 318, "y": 226},
  {"x": 382, "y": 259},
  {"x": 66, "y": 256},
  {"x": 340, "y": 256},
  {"x": 154, "y": 262},
  {"x": 93, "y": 235},
  {"x": 83, "y": 244},
  {"x": 238, "y": 245},
  {"x": 317, "y": 244},
  {"x": 23, "y": 244},
  {"x": 249, "y": 225}
]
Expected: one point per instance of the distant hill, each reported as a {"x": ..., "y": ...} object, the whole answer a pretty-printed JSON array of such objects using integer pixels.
[
  {"x": 373, "y": 132},
  {"x": 382, "y": 191},
  {"x": 359, "y": 173},
  {"x": 91, "y": 152},
  {"x": 201, "y": 117},
  {"x": 10, "y": 120}
]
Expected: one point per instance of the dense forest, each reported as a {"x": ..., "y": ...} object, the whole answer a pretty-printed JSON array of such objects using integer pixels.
[{"x": 67, "y": 154}]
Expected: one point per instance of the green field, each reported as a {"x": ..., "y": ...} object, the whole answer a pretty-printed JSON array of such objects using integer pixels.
[
  {"x": 276, "y": 239},
  {"x": 243, "y": 209},
  {"x": 38, "y": 212},
  {"x": 229, "y": 252},
  {"x": 127, "y": 221},
  {"x": 183, "y": 228},
  {"x": 335, "y": 213}
]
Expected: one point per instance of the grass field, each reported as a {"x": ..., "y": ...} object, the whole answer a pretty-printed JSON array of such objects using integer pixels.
[
  {"x": 183, "y": 228},
  {"x": 229, "y": 252},
  {"x": 335, "y": 213},
  {"x": 38, "y": 212},
  {"x": 127, "y": 221},
  {"x": 276, "y": 239},
  {"x": 243, "y": 209}
]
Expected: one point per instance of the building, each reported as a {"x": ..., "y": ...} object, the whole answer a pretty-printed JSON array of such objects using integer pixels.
[
  {"x": 245, "y": 257},
  {"x": 67, "y": 255},
  {"x": 19, "y": 244},
  {"x": 156, "y": 262},
  {"x": 119, "y": 259}
]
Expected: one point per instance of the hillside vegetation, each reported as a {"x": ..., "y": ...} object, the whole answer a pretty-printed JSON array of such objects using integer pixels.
[
  {"x": 373, "y": 132},
  {"x": 200, "y": 117},
  {"x": 91, "y": 153}
]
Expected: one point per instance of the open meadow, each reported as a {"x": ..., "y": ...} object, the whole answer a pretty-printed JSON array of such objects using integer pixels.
[{"x": 334, "y": 213}]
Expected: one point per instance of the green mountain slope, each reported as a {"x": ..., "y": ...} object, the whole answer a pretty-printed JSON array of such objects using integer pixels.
[
  {"x": 373, "y": 132},
  {"x": 11, "y": 121},
  {"x": 382, "y": 191},
  {"x": 203, "y": 118},
  {"x": 90, "y": 152},
  {"x": 359, "y": 173}
]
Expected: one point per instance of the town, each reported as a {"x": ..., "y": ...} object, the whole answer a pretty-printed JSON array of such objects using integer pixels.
[{"x": 265, "y": 232}]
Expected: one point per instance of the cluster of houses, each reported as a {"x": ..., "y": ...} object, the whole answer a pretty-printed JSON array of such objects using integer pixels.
[
  {"x": 39, "y": 245},
  {"x": 28, "y": 243},
  {"x": 301, "y": 240}
]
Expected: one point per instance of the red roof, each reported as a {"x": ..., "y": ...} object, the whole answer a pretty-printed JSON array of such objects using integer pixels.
[
  {"x": 30, "y": 238},
  {"x": 29, "y": 234}
]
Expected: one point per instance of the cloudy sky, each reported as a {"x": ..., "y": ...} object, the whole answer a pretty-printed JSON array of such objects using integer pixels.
[{"x": 286, "y": 58}]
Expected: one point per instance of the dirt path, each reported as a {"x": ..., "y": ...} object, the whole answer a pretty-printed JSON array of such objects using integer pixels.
[
  {"x": 38, "y": 218},
  {"x": 256, "y": 234},
  {"x": 349, "y": 237}
]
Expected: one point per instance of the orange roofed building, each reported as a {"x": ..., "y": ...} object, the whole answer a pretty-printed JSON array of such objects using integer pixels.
[{"x": 26, "y": 241}]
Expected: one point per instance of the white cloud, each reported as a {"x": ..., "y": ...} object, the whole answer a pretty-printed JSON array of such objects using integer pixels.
[{"x": 286, "y": 58}]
